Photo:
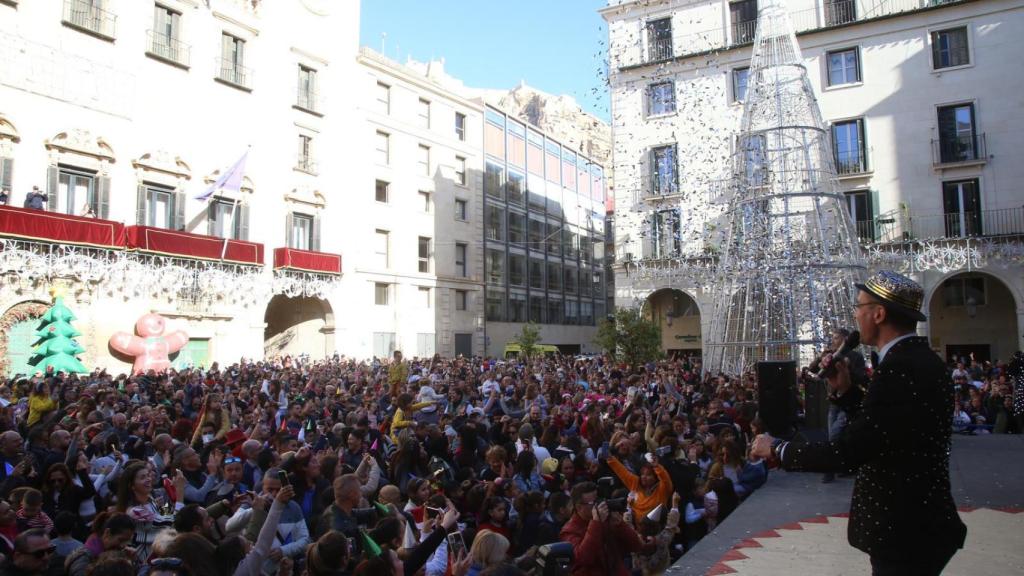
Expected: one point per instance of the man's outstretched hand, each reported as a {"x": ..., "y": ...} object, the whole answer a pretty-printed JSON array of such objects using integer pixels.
[{"x": 762, "y": 446}]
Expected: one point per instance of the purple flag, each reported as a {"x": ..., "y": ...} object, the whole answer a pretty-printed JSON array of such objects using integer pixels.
[{"x": 230, "y": 180}]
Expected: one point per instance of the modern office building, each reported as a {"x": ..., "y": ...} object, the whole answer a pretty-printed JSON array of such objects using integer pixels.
[
  {"x": 923, "y": 107},
  {"x": 416, "y": 280},
  {"x": 543, "y": 236},
  {"x": 125, "y": 111}
]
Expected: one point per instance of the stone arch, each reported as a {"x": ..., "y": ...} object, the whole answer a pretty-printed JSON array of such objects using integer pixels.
[
  {"x": 8, "y": 130},
  {"x": 297, "y": 325},
  {"x": 678, "y": 314},
  {"x": 24, "y": 311},
  {"x": 958, "y": 323}
]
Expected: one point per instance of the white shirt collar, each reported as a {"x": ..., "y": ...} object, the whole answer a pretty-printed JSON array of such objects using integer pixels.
[{"x": 885, "y": 349}]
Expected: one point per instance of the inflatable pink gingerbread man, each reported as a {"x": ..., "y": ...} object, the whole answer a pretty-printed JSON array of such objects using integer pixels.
[{"x": 151, "y": 347}]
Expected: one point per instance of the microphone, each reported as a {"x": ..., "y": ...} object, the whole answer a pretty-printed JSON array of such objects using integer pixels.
[{"x": 851, "y": 342}]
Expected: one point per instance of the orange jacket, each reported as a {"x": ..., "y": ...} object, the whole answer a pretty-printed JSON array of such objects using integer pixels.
[{"x": 643, "y": 503}]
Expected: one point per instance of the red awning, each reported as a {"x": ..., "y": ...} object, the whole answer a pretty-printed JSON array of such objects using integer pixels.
[
  {"x": 46, "y": 226},
  {"x": 306, "y": 261},
  {"x": 198, "y": 246}
]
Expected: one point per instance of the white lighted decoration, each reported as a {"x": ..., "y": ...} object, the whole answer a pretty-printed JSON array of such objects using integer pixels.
[{"x": 791, "y": 256}]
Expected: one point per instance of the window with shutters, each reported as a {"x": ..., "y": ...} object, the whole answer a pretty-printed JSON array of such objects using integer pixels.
[
  {"x": 307, "y": 97},
  {"x": 664, "y": 170},
  {"x": 661, "y": 98},
  {"x": 383, "y": 344},
  {"x": 305, "y": 162},
  {"x": 224, "y": 220},
  {"x": 76, "y": 192},
  {"x": 300, "y": 234},
  {"x": 164, "y": 38},
  {"x": 950, "y": 48},
  {"x": 6, "y": 176},
  {"x": 160, "y": 210},
  {"x": 425, "y": 345},
  {"x": 231, "y": 64},
  {"x": 848, "y": 146}
]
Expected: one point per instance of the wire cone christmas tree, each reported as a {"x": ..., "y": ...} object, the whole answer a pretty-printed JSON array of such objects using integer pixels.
[
  {"x": 56, "y": 347},
  {"x": 791, "y": 256}
]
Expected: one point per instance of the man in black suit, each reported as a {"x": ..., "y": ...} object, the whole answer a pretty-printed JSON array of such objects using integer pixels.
[{"x": 902, "y": 513}]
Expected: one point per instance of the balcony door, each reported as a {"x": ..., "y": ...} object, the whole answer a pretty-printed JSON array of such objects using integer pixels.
[
  {"x": 961, "y": 203},
  {"x": 958, "y": 141},
  {"x": 839, "y": 12},
  {"x": 859, "y": 205},
  {"x": 743, "y": 16},
  {"x": 659, "y": 39}
]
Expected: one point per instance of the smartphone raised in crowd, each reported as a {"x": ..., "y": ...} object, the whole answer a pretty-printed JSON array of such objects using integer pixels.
[{"x": 457, "y": 544}]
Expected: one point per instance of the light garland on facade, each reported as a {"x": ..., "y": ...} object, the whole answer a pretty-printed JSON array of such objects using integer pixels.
[{"x": 137, "y": 275}]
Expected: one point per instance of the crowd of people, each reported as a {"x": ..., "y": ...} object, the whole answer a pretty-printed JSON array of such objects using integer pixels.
[{"x": 385, "y": 467}]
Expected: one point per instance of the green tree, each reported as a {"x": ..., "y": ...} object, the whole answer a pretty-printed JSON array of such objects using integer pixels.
[
  {"x": 527, "y": 339},
  {"x": 56, "y": 347},
  {"x": 631, "y": 336}
]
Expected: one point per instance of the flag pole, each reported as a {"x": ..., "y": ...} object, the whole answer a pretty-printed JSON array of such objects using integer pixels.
[
  {"x": 234, "y": 214},
  {"x": 231, "y": 229}
]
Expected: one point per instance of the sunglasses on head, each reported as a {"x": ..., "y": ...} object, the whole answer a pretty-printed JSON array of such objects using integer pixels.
[
  {"x": 232, "y": 460},
  {"x": 166, "y": 563}
]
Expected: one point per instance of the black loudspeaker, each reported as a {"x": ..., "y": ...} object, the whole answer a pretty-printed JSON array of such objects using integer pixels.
[
  {"x": 776, "y": 397},
  {"x": 816, "y": 404}
]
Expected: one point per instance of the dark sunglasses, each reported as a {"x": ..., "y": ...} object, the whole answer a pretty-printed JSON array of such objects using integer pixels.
[{"x": 44, "y": 552}]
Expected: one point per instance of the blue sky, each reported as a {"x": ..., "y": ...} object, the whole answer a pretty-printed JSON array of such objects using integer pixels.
[{"x": 557, "y": 46}]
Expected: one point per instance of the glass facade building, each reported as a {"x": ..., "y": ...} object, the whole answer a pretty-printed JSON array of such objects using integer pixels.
[{"x": 544, "y": 226}]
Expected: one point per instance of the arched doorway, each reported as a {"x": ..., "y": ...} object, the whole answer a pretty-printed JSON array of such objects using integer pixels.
[
  {"x": 298, "y": 325},
  {"x": 973, "y": 312},
  {"x": 679, "y": 317},
  {"x": 18, "y": 326}
]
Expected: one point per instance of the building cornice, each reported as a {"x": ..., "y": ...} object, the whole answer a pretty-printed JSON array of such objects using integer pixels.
[{"x": 375, "y": 61}]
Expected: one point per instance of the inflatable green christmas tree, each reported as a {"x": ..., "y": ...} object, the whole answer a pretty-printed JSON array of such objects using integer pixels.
[{"x": 56, "y": 347}]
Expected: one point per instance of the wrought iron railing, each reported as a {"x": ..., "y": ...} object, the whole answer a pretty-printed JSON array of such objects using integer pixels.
[
  {"x": 168, "y": 48},
  {"x": 830, "y": 14},
  {"x": 949, "y": 226},
  {"x": 306, "y": 164},
  {"x": 743, "y": 32},
  {"x": 659, "y": 49},
  {"x": 307, "y": 99},
  {"x": 233, "y": 73},
  {"x": 90, "y": 16},
  {"x": 851, "y": 163},
  {"x": 958, "y": 149}
]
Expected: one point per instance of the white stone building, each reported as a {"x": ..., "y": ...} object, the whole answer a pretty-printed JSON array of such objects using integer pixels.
[
  {"x": 129, "y": 109},
  {"x": 923, "y": 99},
  {"x": 416, "y": 280}
]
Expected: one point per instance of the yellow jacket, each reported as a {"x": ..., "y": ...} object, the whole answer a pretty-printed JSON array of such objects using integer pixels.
[
  {"x": 38, "y": 406},
  {"x": 398, "y": 421}
]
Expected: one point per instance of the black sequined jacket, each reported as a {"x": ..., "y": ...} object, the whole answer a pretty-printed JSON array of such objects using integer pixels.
[{"x": 900, "y": 444}]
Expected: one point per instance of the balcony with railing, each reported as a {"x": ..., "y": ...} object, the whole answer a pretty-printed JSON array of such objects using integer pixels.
[
  {"x": 308, "y": 100},
  {"x": 233, "y": 74},
  {"x": 853, "y": 163},
  {"x": 168, "y": 49},
  {"x": 305, "y": 163},
  {"x": 831, "y": 14},
  {"x": 988, "y": 224},
  {"x": 89, "y": 17},
  {"x": 960, "y": 150}
]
